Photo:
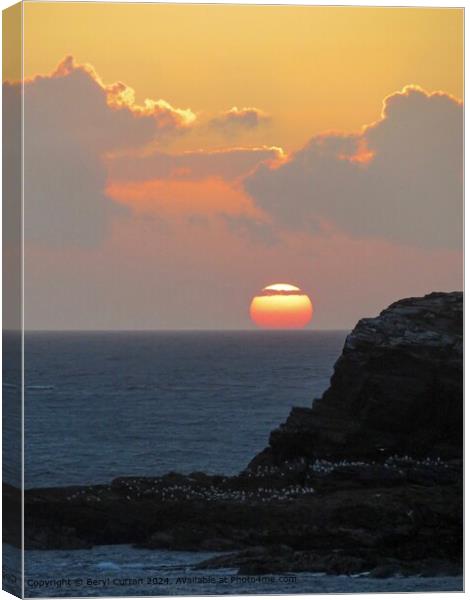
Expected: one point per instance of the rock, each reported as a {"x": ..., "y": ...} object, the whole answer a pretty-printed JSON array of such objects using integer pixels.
[
  {"x": 440, "y": 568},
  {"x": 385, "y": 571},
  {"x": 346, "y": 565},
  {"x": 396, "y": 388},
  {"x": 218, "y": 544},
  {"x": 160, "y": 539}
]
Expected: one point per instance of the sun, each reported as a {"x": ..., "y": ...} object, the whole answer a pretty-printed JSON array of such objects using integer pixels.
[{"x": 281, "y": 306}]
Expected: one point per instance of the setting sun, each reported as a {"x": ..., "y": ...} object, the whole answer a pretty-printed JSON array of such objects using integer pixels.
[{"x": 281, "y": 306}]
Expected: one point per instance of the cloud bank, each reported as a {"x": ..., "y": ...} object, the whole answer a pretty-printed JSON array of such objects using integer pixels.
[
  {"x": 398, "y": 179},
  {"x": 401, "y": 178},
  {"x": 72, "y": 119}
]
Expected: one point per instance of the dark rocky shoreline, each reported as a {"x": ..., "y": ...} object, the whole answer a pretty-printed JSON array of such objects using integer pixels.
[{"x": 367, "y": 480}]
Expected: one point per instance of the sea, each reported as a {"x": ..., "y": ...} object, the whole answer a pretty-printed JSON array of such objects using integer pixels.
[{"x": 100, "y": 405}]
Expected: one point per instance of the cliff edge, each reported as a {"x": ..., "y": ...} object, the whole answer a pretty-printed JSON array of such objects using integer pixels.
[{"x": 397, "y": 388}]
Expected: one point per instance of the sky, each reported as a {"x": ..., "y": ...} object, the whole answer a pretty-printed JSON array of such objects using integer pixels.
[{"x": 180, "y": 158}]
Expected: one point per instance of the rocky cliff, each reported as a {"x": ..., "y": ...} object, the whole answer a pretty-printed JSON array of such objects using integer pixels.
[{"x": 397, "y": 388}]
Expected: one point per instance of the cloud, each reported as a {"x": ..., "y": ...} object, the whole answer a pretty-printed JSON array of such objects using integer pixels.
[
  {"x": 178, "y": 199},
  {"x": 229, "y": 164},
  {"x": 121, "y": 96},
  {"x": 72, "y": 120},
  {"x": 236, "y": 119},
  {"x": 400, "y": 178},
  {"x": 205, "y": 203}
]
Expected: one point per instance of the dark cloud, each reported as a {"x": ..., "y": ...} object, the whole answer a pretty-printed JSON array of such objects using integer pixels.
[
  {"x": 236, "y": 119},
  {"x": 270, "y": 292},
  {"x": 401, "y": 178},
  {"x": 72, "y": 120}
]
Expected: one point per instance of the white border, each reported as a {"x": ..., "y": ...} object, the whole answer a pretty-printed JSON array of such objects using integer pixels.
[{"x": 377, "y": 3}]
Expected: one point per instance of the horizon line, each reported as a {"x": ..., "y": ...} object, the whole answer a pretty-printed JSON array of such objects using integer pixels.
[{"x": 170, "y": 330}]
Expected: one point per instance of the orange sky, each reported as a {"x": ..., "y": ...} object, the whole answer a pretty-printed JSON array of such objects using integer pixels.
[
  {"x": 185, "y": 156},
  {"x": 311, "y": 68}
]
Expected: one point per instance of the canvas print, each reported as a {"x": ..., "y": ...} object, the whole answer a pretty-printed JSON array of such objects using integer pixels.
[{"x": 232, "y": 332}]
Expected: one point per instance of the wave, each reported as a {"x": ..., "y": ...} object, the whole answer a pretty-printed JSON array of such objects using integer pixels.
[
  {"x": 40, "y": 388},
  {"x": 108, "y": 566}
]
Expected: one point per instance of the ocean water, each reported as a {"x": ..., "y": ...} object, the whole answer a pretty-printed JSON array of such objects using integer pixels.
[
  {"x": 125, "y": 571},
  {"x": 103, "y": 405}
]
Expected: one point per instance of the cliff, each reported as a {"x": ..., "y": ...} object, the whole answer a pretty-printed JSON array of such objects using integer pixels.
[{"x": 397, "y": 388}]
